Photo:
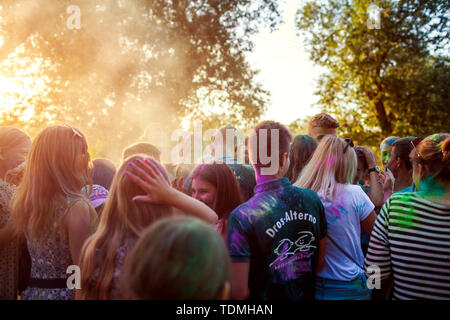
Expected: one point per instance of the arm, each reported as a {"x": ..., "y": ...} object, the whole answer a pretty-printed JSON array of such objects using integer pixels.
[
  {"x": 376, "y": 194},
  {"x": 78, "y": 223},
  {"x": 159, "y": 191},
  {"x": 191, "y": 206},
  {"x": 321, "y": 257},
  {"x": 367, "y": 223},
  {"x": 239, "y": 284}
]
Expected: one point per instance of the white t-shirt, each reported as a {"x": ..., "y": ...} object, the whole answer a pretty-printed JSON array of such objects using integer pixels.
[{"x": 344, "y": 215}]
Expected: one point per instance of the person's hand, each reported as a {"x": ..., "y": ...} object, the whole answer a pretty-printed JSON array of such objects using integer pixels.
[
  {"x": 381, "y": 177},
  {"x": 369, "y": 155},
  {"x": 389, "y": 181},
  {"x": 148, "y": 177}
]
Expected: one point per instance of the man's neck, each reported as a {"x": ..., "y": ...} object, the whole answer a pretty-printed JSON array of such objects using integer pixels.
[
  {"x": 264, "y": 178},
  {"x": 403, "y": 180}
]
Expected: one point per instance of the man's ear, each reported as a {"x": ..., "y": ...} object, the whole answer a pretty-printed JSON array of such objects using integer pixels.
[{"x": 284, "y": 161}]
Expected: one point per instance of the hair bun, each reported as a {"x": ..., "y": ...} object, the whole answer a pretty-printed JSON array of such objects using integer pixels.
[{"x": 446, "y": 151}]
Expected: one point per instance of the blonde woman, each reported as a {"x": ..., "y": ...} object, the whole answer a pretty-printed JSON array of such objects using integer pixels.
[
  {"x": 50, "y": 209},
  {"x": 140, "y": 195},
  {"x": 14, "y": 146},
  {"x": 330, "y": 172}
]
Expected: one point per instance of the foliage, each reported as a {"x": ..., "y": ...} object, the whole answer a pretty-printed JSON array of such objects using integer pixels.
[
  {"x": 134, "y": 66},
  {"x": 379, "y": 82}
]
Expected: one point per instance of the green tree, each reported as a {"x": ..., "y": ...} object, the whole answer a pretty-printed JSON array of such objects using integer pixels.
[
  {"x": 391, "y": 80},
  {"x": 299, "y": 126},
  {"x": 133, "y": 65}
]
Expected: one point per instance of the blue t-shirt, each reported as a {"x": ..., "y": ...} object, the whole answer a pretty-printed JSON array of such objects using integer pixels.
[
  {"x": 278, "y": 231},
  {"x": 344, "y": 215}
]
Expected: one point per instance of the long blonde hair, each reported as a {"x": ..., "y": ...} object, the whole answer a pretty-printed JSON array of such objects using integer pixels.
[
  {"x": 52, "y": 178},
  {"x": 122, "y": 219},
  {"x": 329, "y": 168}
]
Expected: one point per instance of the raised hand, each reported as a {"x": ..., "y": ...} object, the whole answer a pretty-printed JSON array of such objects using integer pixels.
[{"x": 147, "y": 176}]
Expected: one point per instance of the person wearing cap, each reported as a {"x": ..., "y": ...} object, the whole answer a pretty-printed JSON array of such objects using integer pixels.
[{"x": 322, "y": 124}]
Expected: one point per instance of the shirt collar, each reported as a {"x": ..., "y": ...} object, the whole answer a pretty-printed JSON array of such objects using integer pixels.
[{"x": 272, "y": 185}]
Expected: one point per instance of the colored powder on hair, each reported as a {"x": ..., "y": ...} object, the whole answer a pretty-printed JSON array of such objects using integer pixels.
[{"x": 330, "y": 161}]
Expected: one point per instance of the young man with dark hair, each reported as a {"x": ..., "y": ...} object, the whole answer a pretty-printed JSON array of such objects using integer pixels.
[
  {"x": 274, "y": 238},
  {"x": 400, "y": 165},
  {"x": 321, "y": 125}
]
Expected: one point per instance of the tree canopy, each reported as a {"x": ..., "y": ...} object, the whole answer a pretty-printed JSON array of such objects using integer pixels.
[
  {"x": 386, "y": 79},
  {"x": 133, "y": 68}
]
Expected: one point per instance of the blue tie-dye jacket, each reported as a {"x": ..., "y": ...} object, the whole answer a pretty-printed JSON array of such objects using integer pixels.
[{"x": 278, "y": 232}]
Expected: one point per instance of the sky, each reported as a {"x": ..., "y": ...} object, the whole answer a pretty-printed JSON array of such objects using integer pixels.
[{"x": 285, "y": 69}]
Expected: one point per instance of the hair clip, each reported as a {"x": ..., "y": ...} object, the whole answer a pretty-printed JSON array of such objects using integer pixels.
[
  {"x": 75, "y": 131},
  {"x": 349, "y": 143}
]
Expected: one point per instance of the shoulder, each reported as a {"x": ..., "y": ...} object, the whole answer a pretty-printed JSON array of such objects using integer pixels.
[
  {"x": 354, "y": 188},
  {"x": 354, "y": 191},
  {"x": 78, "y": 209},
  {"x": 241, "y": 210},
  {"x": 308, "y": 194}
]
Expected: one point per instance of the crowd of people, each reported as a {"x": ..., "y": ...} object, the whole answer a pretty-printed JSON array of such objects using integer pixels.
[{"x": 315, "y": 228}]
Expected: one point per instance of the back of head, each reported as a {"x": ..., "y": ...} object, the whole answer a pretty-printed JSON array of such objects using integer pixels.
[
  {"x": 401, "y": 149},
  {"x": 14, "y": 145},
  {"x": 302, "y": 149},
  {"x": 267, "y": 142},
  {"x": 227, "y": 142},
  {"x": 141, "y": 148},
  {"x": 122, "y": 220},
  {"x": 104, "y": 171},
  {"x": 178, "y": 259},
  {"x": 322, "y": 120},
  {"x": 433, "y": 153},
  {"x": 388, "y": 141},
  {"x": 228, "y": 195},
  {"x": 332, "y": 164},
  {"x": 11, "y": 137}
]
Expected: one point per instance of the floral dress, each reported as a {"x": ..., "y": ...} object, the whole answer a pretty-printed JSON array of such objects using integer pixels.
[
  {"x": 9, "y": 254},
  {"x": 50, "y": 259}
]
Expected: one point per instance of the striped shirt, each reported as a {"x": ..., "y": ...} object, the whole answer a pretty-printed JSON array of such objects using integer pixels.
[{"x": 411, "y": 241}]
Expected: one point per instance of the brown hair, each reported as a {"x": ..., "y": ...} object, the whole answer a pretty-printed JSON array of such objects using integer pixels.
[
  {"x": 11, "y": 137},
  {"x": 434, "y": 154},
  {"x": 284, "y": 140},
  {"x": 301, "y": 151},
  {"x": 50, "y": 180},
  {"x": 228, "y": 195},
  {"x": 122, "y": 220},
  {"x": 141, "y": 148},
  {"x": 323, "y": 120}
]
